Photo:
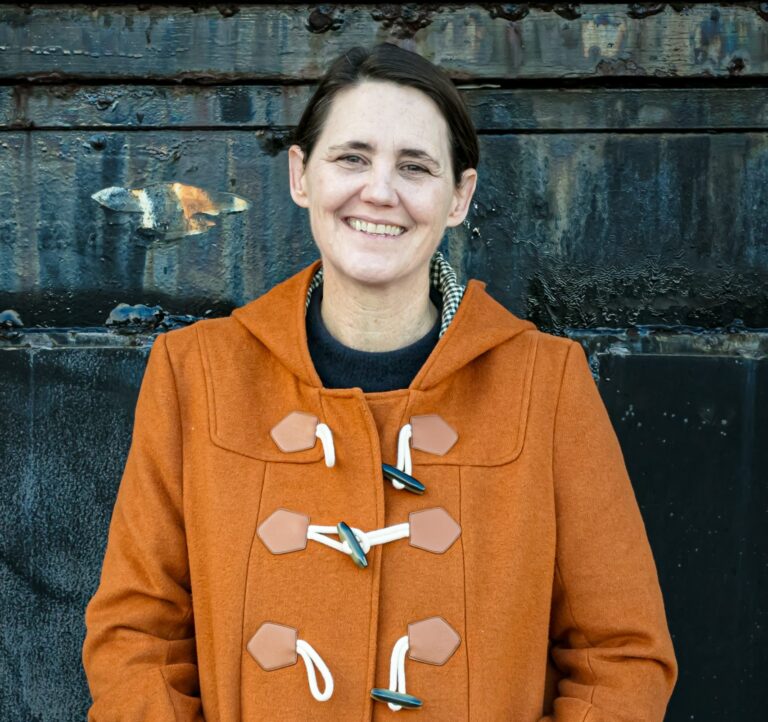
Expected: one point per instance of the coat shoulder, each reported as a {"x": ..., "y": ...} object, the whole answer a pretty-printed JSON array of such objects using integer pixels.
[{"x": 185, "y": 340}]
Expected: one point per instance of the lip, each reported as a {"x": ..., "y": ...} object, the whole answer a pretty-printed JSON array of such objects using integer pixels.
[{"x": 345, "y": 219}]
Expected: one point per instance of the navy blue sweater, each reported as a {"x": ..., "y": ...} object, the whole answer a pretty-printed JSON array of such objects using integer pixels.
[{"x": 342, "y": 367}]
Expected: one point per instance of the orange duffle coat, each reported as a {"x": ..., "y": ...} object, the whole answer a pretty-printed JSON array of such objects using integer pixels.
[{"x": 543, "y": 597}]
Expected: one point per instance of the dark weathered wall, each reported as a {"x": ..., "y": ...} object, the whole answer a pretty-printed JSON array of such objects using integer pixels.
[{"x": 621, "y": 201}]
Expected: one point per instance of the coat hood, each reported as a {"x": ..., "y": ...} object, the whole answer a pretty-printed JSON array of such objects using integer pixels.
[{"x": 277, "y": 319}]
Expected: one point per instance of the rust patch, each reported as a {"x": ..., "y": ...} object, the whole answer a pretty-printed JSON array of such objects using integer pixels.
[
  {"x": 509, "y": 11},
  {"x": 10, "y": 323},
  {"x": 736, "y": 66},
  {"x": 171, "y": 210},
  {"x": 638, "y": 11},
  {"x": 569, "y": 11},
  {"x": 228, "y": 10},
  {"x": 407, "y": 19},
  {"x": 274, "y": 142},
  {"x": 324, "y": 18},
  {"x": 125, "y": 319},
  {"x": 135, "y": 319}
]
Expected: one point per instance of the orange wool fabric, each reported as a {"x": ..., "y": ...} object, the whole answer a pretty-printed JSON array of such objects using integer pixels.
[{"x": 551, "y": 585}]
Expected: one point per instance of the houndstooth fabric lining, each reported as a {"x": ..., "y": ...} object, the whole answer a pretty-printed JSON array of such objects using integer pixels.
[{"x": 441, "y": 276}]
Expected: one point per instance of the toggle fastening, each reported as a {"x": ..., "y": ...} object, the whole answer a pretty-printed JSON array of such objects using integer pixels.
[
  {"x": 275, "y": 646},
  {"x": 426, "y": 432},
  {"x": 297, "y": 432},
  {"x": 431, "y": 640},
  {"x": 284, "y": 531}
]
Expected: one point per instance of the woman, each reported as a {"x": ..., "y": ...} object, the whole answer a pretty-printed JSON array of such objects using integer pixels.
[{"x": 372, "y": 490}]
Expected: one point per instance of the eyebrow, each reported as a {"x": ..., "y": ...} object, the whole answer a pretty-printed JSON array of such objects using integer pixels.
[{"x": 408, "y": 152}]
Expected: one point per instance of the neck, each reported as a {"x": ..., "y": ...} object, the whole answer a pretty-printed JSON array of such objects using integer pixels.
[{"x": 377, "y": 318}]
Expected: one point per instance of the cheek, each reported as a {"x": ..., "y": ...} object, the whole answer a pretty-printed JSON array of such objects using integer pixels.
[{"x": 428, "y": 207}]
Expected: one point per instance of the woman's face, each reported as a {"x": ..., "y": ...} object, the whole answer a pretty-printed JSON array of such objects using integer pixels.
[{"x": 383, "y": 158}]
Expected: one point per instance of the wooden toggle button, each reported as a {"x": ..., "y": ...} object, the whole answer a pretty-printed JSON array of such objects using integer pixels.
[
  {"x": 432, "y": 640},
  {"x": 296, "y": 432},
  {"x": 273, "y": 646},
  {"x": 433, "y": 530},
  {"x": 284, "y": 531},
  {"x": 431, "y": 433}
]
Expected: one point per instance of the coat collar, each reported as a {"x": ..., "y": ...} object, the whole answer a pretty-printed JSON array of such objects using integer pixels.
[{"x": 277, "y": 319}]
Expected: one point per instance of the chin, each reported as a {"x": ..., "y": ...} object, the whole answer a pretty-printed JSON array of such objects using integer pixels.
[
  {"x": 371, "y": 274},
  {"x": 371, "y": 269}
]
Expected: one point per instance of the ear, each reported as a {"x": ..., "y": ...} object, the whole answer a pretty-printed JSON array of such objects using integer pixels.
[
  {"x": 296, "y": 176},
  {"x": 462, "y": 195}
]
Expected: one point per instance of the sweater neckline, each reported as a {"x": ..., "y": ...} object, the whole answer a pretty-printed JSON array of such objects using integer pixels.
[{"x": 340, "y": 366}]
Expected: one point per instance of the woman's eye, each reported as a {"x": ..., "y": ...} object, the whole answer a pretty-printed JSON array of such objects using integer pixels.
[{"x": 357, "y": 160}]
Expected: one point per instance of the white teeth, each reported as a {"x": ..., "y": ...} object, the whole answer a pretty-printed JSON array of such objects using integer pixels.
[{"x": 380, "y": 228}]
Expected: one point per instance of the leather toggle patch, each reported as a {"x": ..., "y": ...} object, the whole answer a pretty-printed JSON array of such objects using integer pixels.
[
  {"x": 273, "y": 646},
  {"x": 432, "y": 640},
  {"x": 296, "y": 432},
  {"x": 284, "y": 531},
  {"x": 431, "y": 433},
  {"x": 433, "y": 530}
]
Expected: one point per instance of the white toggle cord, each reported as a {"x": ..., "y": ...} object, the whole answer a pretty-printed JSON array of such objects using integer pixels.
[
  {"x": 404, "y": 454},
  {"x": 323, "y": 432},
  {"x": 317, "y": 532},
  {"x": 397, "y": 670},
  {"x": 311, "y": 659}
]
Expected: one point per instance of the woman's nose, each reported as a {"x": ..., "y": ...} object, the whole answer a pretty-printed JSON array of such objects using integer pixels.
[{"x": 379, "y": 187}]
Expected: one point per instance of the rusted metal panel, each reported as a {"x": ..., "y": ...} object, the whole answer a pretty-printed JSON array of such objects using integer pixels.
[
  {"x": 571, "y": 230},
  {"x": 52, "y": 107},
  {"x": 70, "y": 261},
  {"x": 151, "y": 106},
  {"x": 64, "y": 436},
  {"x": 526, "y": 40},
  {"x": 617, "y": 230},
  {"x": 692, "y": 429}
]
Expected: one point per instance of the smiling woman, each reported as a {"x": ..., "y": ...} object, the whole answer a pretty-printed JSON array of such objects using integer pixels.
[
  {"x": 373, "y": 473},
  {"x": 381, "y": 187}
]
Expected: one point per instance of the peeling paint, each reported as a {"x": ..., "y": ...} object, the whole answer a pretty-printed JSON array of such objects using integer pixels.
[
  {"x": 132, "y": 319},
  {"x": 171, "y": 210},
  {"x": 603, "y": 36},
  {"x": 10, "y": 323},
  {"x": 638, "y": 11},
  {"x": 143, "y": 319}
]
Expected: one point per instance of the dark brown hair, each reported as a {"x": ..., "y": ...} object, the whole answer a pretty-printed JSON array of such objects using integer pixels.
[{"x": 388, "y": 62}]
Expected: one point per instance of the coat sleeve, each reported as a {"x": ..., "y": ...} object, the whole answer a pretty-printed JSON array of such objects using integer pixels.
[
  {"x": 139, "y": 649},
  {"x": 608, "y": 625}
]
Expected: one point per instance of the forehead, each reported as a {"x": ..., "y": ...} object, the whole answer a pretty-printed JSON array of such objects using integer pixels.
[{"x": 387, "y": 116}]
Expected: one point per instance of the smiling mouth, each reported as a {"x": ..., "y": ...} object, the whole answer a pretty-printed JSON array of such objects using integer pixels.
[{"x": 373, "y": 235}]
